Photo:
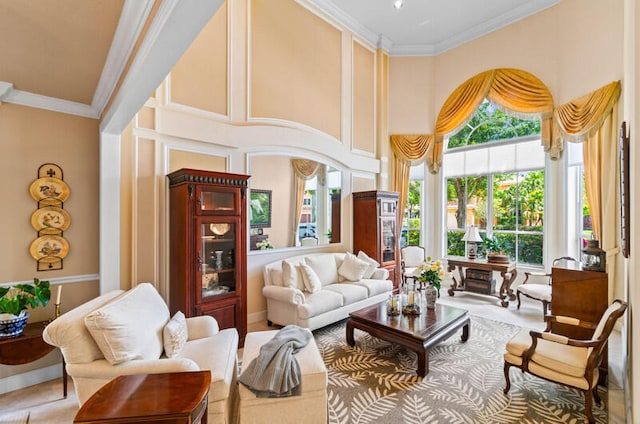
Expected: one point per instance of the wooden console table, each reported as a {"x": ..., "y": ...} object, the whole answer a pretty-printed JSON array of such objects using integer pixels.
[
  {"x": 507, "y": 271},
  {"x": 28, "y": 347}
]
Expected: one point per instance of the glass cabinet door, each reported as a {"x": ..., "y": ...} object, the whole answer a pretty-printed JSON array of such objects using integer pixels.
[
  {"x": 216, "y": 202},
  {"x": 388, "y": 239},
  {"x": 217, "y": 257}
]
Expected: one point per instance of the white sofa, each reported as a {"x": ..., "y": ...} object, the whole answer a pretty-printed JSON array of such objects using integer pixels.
[
  {"x": 127, "y": 332},
  {"x": 289, "y": 300}
]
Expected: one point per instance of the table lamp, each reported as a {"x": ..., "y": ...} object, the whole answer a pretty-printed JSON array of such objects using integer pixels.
[{"x": 472, "y": 236}]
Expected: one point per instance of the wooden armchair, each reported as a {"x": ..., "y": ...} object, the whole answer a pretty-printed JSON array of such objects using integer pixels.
[{"x": 563, "y": 360}]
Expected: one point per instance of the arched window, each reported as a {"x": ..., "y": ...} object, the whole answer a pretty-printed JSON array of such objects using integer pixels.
[{"x": 494, "y": 178}]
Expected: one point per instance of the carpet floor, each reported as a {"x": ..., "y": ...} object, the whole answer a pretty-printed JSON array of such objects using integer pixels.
[{"x": 375, "y": 382}]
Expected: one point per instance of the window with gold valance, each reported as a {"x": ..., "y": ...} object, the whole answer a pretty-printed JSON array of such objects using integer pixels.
[{"x": 591, "y": 119}]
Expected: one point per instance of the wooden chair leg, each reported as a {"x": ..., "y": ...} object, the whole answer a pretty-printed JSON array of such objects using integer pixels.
[
  {"x": 518, "y": 296},
  {"x": 596, "y": 395},
  {"x": 588, "y": 406},
  {"x": 506, "y": 377},
  {"x": 544, "y": 307}
]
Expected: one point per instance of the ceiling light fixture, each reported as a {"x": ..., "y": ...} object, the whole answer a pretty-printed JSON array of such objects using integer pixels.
[{"x": 397, "y": 4}]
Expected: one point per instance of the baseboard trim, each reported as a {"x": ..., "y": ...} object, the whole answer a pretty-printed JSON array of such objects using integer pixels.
[
  {"x": 257, "y": 317},
  {"x": 29, "y": 378}
]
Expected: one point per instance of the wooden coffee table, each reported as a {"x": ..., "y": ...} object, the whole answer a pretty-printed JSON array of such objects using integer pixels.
[
  {"x": 415, "y": 332},
  {"x": 178, "y": 397}
]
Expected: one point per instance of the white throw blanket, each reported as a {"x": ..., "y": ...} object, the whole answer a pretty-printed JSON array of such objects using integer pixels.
[{"x": 275, "y": 372}]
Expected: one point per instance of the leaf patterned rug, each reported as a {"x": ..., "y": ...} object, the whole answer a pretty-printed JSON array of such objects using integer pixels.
[{"x": 375, "y": 382}]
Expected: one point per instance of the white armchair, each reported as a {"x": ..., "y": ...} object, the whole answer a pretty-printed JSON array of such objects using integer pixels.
[
  {"x": 123, "y": 333},
  {"x": 411, "y": 257}
]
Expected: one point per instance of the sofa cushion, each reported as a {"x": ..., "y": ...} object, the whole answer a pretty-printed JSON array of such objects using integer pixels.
[
  {"x": 175, "y": 334},
  {"x": 311, "y": 280},
  {"x": 291, "y": 275},
  {"x": 375, "y": 287},
  {"x": 350, "y": 292},
  {"x": 325, "y": 266},
  {"x": 69, "y": 332},
  {"x": 319, "y": 303},
  {"x": 131, "y": 326},
  {"x": 373, "y": 264},
  {"x": 352, "y": 268}
]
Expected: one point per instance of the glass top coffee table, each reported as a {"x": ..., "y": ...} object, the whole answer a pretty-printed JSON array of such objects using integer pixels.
[{"x": 415, "y": 332}]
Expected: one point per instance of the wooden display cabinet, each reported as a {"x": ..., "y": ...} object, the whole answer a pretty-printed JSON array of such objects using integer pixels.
[
  {"x": 208, "y": 246},
  {"x": 375, "y": 220},
  {"x": 580, "y": 294}
]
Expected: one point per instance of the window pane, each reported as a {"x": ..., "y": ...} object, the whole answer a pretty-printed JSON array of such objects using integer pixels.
[
  {"x": 531, "y": 201},
  {"x": 505, "y": 190},
  {"x": 530, "y": 248},
  {"x": 411, "y": 222}
]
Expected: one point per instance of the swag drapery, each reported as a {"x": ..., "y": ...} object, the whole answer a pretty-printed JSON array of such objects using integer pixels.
[
  {"x": 303, "y": 170},
  {"x": 591, "y": 119}
]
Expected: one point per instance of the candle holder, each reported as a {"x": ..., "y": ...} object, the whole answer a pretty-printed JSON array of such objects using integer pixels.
[
  {"x": 411, "y": 309},
  {"x": 57, "y": 310},
  {"x": 392, "y": 306}
]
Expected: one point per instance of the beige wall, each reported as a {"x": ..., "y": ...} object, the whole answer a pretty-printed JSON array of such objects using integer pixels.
[{"x": 31, "y": 137}]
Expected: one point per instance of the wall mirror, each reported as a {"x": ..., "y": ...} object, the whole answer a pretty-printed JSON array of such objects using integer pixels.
[{"x": 304, "y": 200}]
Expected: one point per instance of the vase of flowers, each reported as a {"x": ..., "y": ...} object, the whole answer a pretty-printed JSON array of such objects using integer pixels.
[{"x": 430, "y": 275}]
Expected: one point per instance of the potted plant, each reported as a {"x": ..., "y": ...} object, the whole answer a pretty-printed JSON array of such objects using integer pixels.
[
  {"x": 496, "y": 250},
  {"x": 430, "y": 274},
  {"x": 14, "y": 302}
]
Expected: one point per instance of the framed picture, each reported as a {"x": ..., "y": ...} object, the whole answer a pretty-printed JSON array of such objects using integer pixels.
[
  {"x": 625, "y": 202},
  {"x": 260, "y": 208}
]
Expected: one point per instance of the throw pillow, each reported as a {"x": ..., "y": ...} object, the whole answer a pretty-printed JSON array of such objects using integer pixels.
[
  {"x": 175, "y": 334},
  {"x": 373, "y": 264},
  {"x": 352, "y": 268},
  {"x": 130, "y": 327},
  {"x": 276, "y": 277},
  {"x": 312, "y": 282},
  {"x": 325, "y": 266},
  {"x": 291, "y": 276}
]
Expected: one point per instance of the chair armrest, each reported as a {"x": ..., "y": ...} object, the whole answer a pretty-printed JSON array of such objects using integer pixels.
[
  {"x": 284, "y": 294},
  {"x": 558, "y": 338},
  {"x": 202, "y": 326},
  {"x": 380, "y": 274},
  {"x": 549, "y": 319},
  {"x": 102, "y": 369}
]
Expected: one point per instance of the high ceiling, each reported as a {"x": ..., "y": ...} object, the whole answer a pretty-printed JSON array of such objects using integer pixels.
[{"x": 69, "y": 55}]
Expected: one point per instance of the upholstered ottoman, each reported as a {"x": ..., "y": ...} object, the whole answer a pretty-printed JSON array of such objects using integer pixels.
[{"x": 309, "y": 407}]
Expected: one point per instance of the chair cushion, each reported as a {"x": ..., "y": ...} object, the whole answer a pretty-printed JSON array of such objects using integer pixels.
[
  {"x": 131, "y": 326},
  {"x": 175, "y": 334},
  {"x": 536, "y": 291},
  {"x": 325, "y": 266},
  {"x": 561, "y": 358},
  {"x": 352, "y": 268}
]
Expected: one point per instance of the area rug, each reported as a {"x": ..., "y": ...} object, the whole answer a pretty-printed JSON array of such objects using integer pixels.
[{"x": 375, "y": 382}]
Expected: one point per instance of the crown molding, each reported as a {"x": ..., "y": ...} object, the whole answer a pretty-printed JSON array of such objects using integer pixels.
[
  {"x": 132, "y": 20},
  {"x": 348, "y": 21},
  {"x": 54, "y": 104}
]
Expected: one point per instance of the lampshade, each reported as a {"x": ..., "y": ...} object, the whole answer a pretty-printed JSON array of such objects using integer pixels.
[{"x": 472, "y": 234}]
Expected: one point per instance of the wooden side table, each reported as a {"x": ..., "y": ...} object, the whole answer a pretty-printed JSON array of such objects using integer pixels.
[
  {"x": 179, "y": 397},
  {"x": 28, "y": 347}
]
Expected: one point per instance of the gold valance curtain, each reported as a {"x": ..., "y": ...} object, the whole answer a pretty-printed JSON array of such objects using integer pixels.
[
  {"x": 593, "y": 119},
  {"x": 303, "y": 170},
  {"x": 408, "y": 149},
  {"x": 515, "y": 91}
]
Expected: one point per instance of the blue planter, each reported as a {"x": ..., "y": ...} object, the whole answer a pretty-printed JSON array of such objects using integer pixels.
[{"x": 15, "y": 326}]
